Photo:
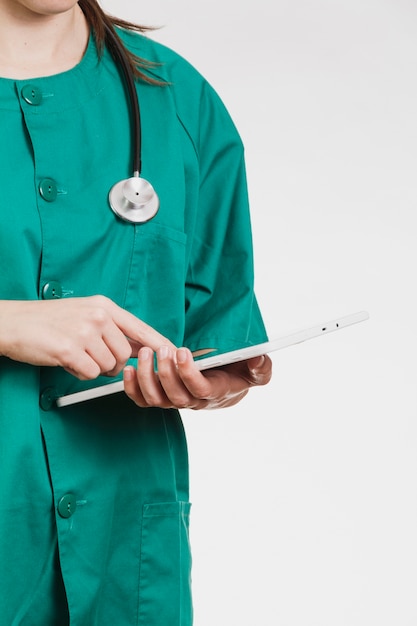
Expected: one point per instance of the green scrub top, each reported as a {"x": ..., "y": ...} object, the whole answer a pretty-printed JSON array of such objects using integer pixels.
[{"x": 97, "y": 493}]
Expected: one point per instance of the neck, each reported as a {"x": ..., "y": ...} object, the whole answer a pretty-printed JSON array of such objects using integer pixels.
[{"x": 34, "y": 44}]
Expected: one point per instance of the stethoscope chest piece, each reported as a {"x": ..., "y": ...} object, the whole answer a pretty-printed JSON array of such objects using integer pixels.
[{"x": 134, "y": 200}]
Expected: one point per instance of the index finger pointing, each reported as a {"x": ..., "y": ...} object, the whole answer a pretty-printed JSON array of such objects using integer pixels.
[{"x": 138, "y": 332}]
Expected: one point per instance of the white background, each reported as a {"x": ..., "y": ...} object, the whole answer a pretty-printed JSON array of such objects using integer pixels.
[{"x": 305, "y": 495}]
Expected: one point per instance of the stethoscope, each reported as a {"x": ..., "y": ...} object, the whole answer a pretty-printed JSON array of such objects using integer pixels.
[{"x": 132, "y": 199}]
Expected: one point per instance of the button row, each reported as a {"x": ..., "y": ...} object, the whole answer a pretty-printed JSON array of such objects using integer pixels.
[{"x": 47, "y": 187}]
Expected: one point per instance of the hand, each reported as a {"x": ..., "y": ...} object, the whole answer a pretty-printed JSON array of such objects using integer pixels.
[
  {"x": 179, "y": 384},
  {"x": 86, "y": 336}
]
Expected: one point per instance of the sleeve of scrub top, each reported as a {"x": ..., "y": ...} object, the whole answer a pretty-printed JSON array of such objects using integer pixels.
[{"x": 221, "y": 308}]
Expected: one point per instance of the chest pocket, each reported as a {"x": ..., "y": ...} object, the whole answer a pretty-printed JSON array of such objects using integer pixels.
[{"x": 156, "y": 284}]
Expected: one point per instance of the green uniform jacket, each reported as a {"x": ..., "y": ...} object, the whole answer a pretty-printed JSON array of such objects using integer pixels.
[{"x": 98, "y": 491}]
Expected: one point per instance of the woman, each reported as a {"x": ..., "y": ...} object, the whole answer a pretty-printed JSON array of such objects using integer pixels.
[{"x": 94, "y": 508}]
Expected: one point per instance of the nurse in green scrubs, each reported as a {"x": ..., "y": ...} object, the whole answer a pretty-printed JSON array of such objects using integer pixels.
[{"x": 94, "y": 505}]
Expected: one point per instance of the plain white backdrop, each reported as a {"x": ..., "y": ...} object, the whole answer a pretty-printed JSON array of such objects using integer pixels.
[{"x": 305, "y": 495}]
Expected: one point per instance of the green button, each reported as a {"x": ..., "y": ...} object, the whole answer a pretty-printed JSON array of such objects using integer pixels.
[
  {"x": 32, "y": 94},
  {"x": 67, "y": 505},
  {"x": 51, "y": 290},
  {"x": 47, "y": 399},
  {"x": 48, "y": 189}
]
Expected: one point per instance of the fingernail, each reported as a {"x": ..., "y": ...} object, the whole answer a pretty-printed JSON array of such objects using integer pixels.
[
  {"x": 182, "y": 355},
  {"x": 144, "y": 354},
  {"x": 258, "y": 364},
  {"x": 163, "y": 352},
  {"x": 128, "y": 373}
]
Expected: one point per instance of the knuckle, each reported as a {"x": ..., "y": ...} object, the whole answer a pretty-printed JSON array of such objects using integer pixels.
[
  {"x": 111, "y": 365},
  {"x": 91, "y": 374},
  {"x": 84, "y": 371},
  {"x": 84, "y": 334},
  {"x": 66, "y": 353},
  {"x": 98, "y": 316},
  {"x": 152, "y": 400},
  {"x": 197, "y": 406},
  {"x": 140, "y": 403},
  {"x": 181, "y": 401},
  {"x": 119, "y": 361},
  {"x": 125, "y": 353}
]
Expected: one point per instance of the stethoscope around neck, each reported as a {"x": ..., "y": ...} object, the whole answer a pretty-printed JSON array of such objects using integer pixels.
[{"x": 132, "y": 199}]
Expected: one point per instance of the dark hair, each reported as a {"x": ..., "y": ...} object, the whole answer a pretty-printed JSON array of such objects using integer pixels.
[{"x": 99, "y": 21}]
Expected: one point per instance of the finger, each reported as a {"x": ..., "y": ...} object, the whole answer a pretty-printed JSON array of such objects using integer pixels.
[
  {"x": 134, "y": 347},
  {"x": 82, "y": 366},
  {"x": 148, "y": 381},
  {"x": 101, "y": 355},
  {"x": 170, "y": 381},
  {"x": 260, "y": 369},
  {"x": 118, "y": 347},
  {"x": 131, "y": 386},
  {"x": 197, "y": 384},
  {"x": 135, "y": 329}
]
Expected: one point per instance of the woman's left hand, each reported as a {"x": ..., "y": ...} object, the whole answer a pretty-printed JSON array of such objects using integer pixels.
[{"x": 179, "y": 384}]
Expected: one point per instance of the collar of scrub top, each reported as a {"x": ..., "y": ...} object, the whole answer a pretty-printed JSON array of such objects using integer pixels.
[{"x": 132, "y": 199}]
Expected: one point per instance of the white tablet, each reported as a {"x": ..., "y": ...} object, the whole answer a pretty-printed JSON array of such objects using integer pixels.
[{"x": 232, "y": 357}]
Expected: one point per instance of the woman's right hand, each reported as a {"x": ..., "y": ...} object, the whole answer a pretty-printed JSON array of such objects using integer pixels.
[{"x": 86, "y": 336}]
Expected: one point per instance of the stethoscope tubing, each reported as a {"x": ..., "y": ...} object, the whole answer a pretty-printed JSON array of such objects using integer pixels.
[
  {"x": 133, "y": 199},
  {"x": 117, "y": 50}
]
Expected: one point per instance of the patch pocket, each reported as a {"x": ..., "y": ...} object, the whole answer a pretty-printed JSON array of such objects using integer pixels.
[
  {"x": 156, "y": 286},
  {"x": 165, "y": 570}
]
